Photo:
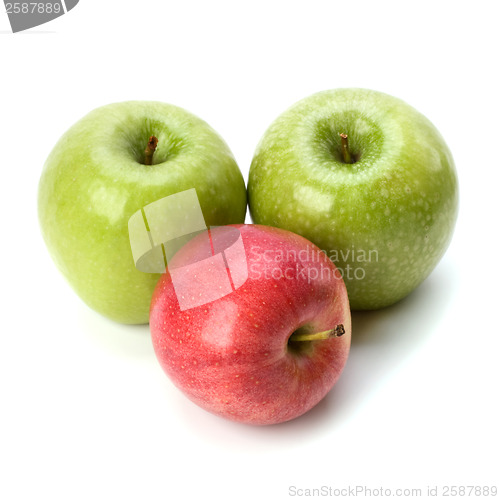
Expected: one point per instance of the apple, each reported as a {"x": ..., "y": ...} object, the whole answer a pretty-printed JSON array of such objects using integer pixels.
[
  {"x": 109, "y": 165},
  {"x": 271, "y": 348},
  {"x": 365, "y": 177}
]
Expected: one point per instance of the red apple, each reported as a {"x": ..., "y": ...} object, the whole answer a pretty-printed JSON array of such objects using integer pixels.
[{"x": 252, "y": 323}]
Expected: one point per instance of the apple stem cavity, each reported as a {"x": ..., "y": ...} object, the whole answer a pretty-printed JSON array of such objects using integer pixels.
[
  {"x": 150, "y": 148},
  {"x": 347, "y": 157},
  {"x": 337, "y": 331}
]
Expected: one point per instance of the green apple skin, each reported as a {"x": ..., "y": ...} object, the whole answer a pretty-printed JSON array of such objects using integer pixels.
[
  {"x": 386, "y": 219},
  {"x": 95, "y": 179}
]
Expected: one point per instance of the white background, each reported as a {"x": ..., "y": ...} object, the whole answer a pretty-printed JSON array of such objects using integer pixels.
[{"x": 86, "y": 411}]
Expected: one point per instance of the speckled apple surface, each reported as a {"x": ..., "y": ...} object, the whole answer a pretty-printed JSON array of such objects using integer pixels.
[
  {"x": 387, "y": 219},
  {"x": 232, "y": 356},
  {"x": 94, "y": 180}
]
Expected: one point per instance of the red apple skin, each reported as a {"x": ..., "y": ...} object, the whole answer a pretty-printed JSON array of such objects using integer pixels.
[{"x": 231, "y": 356}]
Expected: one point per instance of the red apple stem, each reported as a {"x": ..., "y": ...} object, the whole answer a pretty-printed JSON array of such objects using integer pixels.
[
  {"x": 347, "y": 157},
  {"x": 150, "y": 148},
  {"x": 337, "y": 331}
]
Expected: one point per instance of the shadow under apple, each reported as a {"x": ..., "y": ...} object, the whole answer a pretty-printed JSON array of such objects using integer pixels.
[
  {"x": 126, "y": 341},
  {"x": 382, "y": 340}
]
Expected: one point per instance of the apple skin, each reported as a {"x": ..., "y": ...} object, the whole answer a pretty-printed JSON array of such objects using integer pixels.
[
  {"x": 231, "y": 356},
  {"x": 385, "y": 220},
  {"x": 94, "y": 180}
]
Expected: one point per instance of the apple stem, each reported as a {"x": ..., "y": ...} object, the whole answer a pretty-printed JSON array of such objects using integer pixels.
[
  {"x": 337, "y": 331},
  {"x": 347, "y": 157},
  {"x": 150, "y": 148}
]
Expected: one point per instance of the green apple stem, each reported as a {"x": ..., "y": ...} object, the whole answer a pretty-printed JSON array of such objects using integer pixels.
[
  {"x": 337, "y": 331},
  {"x": 347, "y": 157},
  {"x": 150, "y": 148}
]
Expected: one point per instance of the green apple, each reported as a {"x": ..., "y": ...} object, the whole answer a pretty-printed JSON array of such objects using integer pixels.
[
  {"x": 103, "y": 170},
  {"x": 365, "y": 177}
]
